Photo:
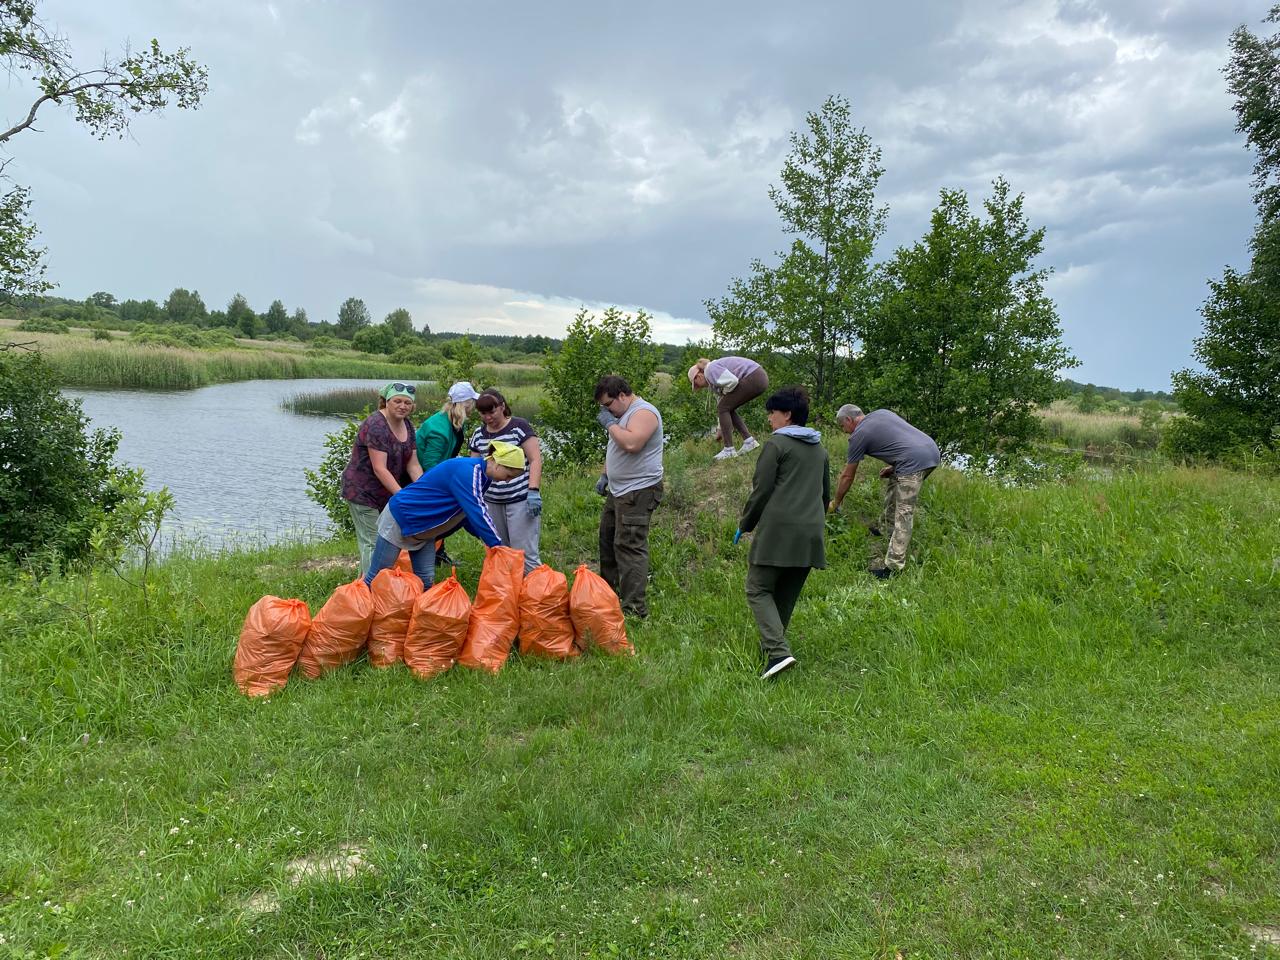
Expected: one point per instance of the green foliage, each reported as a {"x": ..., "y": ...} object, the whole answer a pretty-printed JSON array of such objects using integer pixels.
[
  {"x": 686, "y": 413},
  {"x": 324, "y": 483},
  {"x": 1253, "y": 76},
  {"x": 379, "y": 339},
  {"x": 43, "y": 325},
  {"x": 21, "y": 262},
  {"x": 62, "y": 496},
  {"x": 141, "y": 311},
  {"x": 804, "y": 317},
  {"x": 461, "y": 357},
  {"x": 185, "y": 306},
  {"x": 103, "y": 300},
  {"x": 419, "y": 354},
  {"x": 400, "y": 321},
  {"x": 352, "y": 316},
  {"x": 276, "y": 319},
  {"x": 967, "y": 345},
  {"x": 102, "y": 333},
  {"x": 181, "y": 335},
  {"x": 615, "y": 343},
  {"x": 241, "y": 317}
]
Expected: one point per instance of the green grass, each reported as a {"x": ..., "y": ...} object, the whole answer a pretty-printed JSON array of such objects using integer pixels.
[
  {"x": 349, "y": 402},
  {"x": 82, "y": 362},
  {"x": 1055, "y": 736},
  {"x": 1100, "y": 434}
]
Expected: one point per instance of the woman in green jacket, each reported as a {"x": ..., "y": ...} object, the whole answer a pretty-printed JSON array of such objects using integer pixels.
[
  {"x": 787, "y": 510},
  {"x": 441, "y": 437}
]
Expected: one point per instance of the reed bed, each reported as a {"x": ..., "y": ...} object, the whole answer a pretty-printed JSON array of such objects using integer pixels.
[{"x": 1099, "y": 431}]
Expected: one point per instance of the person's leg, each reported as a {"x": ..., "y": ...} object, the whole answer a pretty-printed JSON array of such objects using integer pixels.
[
  {"x": 908, "y": 488},
  {"x": 423, "y": 561},
  {"x": 748, "y": 388},
  {"x": 365, "y": 520},
  {"x": 525, "y": 533},
  {"x": 790, "y": 584},
  {"x": 890, "y": 504},
  {"x": 385, "y": 554},
  {"x": 631, "y": 547},
  {"x": 761, "y": 584},
  {"x": 725, "y": 417},
  {"x": 608, "y": 531},
  {"x": 499, "y": 513}
]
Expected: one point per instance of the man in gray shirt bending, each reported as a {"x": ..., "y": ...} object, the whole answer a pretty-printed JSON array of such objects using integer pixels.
[
  {"x": 632, "y": 487},
  {"x": 911, "y": 456}
]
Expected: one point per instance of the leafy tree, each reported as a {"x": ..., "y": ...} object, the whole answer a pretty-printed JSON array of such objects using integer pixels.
[
  {"x": 62, "y": 495},
  {"x": 1233, "y": 405},
  {"x": 400, "y": 321},
  {"x": 807, "y": 313},
  {"x": 105, "y": 99},
  {"x": 352, "y": 316},
  {"x": 276, "y": 318},
  {"x": 241, "y": 316},
  {"x": 140, "y": 311},
  {"x": 616, "y": 343},
  {"x": 966, "y": 344},
  {"x": 103, "y": 299},
  {"x": 299, "y": 326},
  {"x": 324, "y": 484},
  {"x": 461, "y": 357},
  {"x": 379, "y": 339},
  {"x": 185, "y": 306}
]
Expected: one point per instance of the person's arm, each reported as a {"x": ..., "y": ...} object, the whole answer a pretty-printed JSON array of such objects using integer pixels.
[
  {"x": 633, "y": 437},
  {"x": 378, "y": 461},
  {"x": 471, "y": 447},
  {"x": 887, "y": 472},
  {"x": 469, "y": 493},
  {"x": 432, "y": 447},
  {"x": 762, "y": 484},
  {"x": 846, "y": 481},
  {"x": 533, "y": 453},
  {"x": 826, "y": 482},
  {"x": 413, "y": 467}
]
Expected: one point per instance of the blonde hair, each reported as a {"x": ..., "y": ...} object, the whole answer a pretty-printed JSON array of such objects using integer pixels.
[
  {"x": 702, "y": 363},
  {"x": 456, "y": 412}
]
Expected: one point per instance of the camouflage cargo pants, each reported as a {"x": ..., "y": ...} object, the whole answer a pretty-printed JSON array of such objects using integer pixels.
[{"x": 900, "y": 496}]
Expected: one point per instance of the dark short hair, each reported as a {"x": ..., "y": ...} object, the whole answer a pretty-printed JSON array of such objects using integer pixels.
[
  {"x": 612, "y": 386},
  {"x": 792, "y": 400},
  {"x": 491, "y": 399}
]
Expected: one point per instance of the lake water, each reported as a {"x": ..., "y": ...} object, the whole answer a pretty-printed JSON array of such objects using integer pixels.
[{"x": 232, "y": 457}]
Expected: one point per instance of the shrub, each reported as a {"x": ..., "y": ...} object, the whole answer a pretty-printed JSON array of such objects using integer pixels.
[
  {"x": 324, "y": 484},
  {"x": 43, "y": 325},
  {"x": 617, "y": 343},
  {"x": 62, "y": 495},
  {"x": 418, "y": 354},
  {"x": 102, "y": 333},
  {"x": 379, "y": 339}
]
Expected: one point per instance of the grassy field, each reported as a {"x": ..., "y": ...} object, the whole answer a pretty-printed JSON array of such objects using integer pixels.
[
  {"x": 1057, "y": 735},
  {"x": 1100, "y": 434}
]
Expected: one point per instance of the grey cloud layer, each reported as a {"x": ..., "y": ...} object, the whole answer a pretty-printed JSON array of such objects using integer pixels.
[{"x": 622, "y": 154}]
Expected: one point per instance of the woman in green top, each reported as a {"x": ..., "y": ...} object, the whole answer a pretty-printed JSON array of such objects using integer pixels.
[
  {"x": 787, "y": 510},
  {"x": 441, "y": 437}
]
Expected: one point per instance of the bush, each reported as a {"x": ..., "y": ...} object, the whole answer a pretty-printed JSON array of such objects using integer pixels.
[
  {"x": 324, "y": 484},
  {"x": 379, "y": 339},
  {"x": 617, "y": 343},
  {"x": 326, "y": 342},
  {"x": 418, "y": 354},
  {"x": 62, "y": 495},
  {"x": 102, "y": 333},
  {"x": 43, "y": 325}
]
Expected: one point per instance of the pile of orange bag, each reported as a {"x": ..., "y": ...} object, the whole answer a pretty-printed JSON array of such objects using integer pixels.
[{"x": 431, "y": 630}]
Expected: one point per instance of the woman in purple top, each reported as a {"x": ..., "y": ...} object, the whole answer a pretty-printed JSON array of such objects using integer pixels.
[
  {"x": 735, "y": 381},
  {"x": 384, "y": 458}
]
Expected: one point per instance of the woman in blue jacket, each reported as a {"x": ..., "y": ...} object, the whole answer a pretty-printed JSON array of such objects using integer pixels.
[{"x": 448, "y": 496}]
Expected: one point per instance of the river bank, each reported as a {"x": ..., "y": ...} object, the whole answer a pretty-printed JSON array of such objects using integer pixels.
[{"x": 1052, "y": 736}]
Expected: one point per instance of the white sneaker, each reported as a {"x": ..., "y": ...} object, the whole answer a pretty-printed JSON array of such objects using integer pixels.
[
  {"x": 725, "y": 454},
  {"x": 748, "y": 445}
]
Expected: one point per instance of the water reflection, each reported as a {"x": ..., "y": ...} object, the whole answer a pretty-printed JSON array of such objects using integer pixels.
[{"x": 232, "y": 457}]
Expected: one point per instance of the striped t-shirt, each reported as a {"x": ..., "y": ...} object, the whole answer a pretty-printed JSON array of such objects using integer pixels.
[{"x": 517, "y": 431}]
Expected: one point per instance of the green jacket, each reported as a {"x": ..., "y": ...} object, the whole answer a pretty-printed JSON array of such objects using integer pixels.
[
  {"x": 787, "y": 508},
  {"x": 437, "y": 440}
]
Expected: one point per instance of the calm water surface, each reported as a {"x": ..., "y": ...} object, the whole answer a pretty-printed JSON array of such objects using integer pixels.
[{"x": 231, "y": 456}]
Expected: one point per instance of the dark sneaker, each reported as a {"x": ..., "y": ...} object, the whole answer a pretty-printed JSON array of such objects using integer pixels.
[
  {"x": 875, "y": 531},
  {"x": 444, "y": 560},
  {"x": 776, "y": 666},
  {"x": 883, "y": 573}
]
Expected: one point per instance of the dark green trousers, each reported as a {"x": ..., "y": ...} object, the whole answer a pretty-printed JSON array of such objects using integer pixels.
[
  {"x": 624, "y": 545},
  {"x": 772, "y": 593}
]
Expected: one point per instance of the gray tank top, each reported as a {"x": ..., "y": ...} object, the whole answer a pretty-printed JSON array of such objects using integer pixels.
[{"x": 635, "y": 471}]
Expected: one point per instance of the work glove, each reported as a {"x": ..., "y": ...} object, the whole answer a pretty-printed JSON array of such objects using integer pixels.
[
  {"x": 737, "y": 535},
  {"x": 534, "y": 503},
  {"x": 605, "y": 418},
  {"x": 602, "y": 485}
]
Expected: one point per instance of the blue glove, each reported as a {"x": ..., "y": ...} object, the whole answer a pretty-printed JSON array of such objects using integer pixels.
[
  {"x": 605, "y": 418},
  {"x": 737, "y": 535},
  {"x": 602, "y": 485},
  {"x": 534, "y": 503}
]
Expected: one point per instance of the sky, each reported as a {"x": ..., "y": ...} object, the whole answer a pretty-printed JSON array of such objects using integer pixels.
[{"x": 495, "y": 167}]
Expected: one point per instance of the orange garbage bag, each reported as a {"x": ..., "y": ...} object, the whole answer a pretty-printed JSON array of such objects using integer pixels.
[
  {"x": 546, "y": 629},
  {"x": 495, "y": 618},
  {"x": 339, "y": 630},
  {"x": 595, "y": 611},
  {"x": 270, "y": 640},
  {"x": 437, "y": 629},
  {"x": 404, "y": 563},
  {"x": 394, "y": 593}
]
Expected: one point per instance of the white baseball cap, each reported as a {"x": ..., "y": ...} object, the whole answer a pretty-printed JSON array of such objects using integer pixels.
[{"x": 462, "y": 391}]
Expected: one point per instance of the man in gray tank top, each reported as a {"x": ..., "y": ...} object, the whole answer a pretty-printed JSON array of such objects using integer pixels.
[{"x": 632, "y": 485}]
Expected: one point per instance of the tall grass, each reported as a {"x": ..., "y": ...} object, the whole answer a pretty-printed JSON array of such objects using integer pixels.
[
  {"x": 79, "y": 362},
  {"x": 1099, "y": 432},
  {"x": 1056, "y": 735},
  {"x": 350, "y": 402}
]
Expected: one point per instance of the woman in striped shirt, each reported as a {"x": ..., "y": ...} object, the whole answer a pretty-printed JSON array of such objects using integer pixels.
[{"x": 515, "y": 505}]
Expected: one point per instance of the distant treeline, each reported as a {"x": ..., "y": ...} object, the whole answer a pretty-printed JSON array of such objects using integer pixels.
[{"x": 1074, "y": 387}]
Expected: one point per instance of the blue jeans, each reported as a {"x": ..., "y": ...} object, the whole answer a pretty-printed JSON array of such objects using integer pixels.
[{"x": 386, "y": 553}]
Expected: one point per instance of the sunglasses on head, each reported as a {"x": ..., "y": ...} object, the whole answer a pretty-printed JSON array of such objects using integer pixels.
[{"x": 408, "y": 388}]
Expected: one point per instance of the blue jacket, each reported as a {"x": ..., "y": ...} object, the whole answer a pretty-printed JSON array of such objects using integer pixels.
[{"x": 438, "y": 495}]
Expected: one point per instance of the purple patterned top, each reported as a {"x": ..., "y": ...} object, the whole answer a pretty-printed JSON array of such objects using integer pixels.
[{"x": 359, "y": 483}]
